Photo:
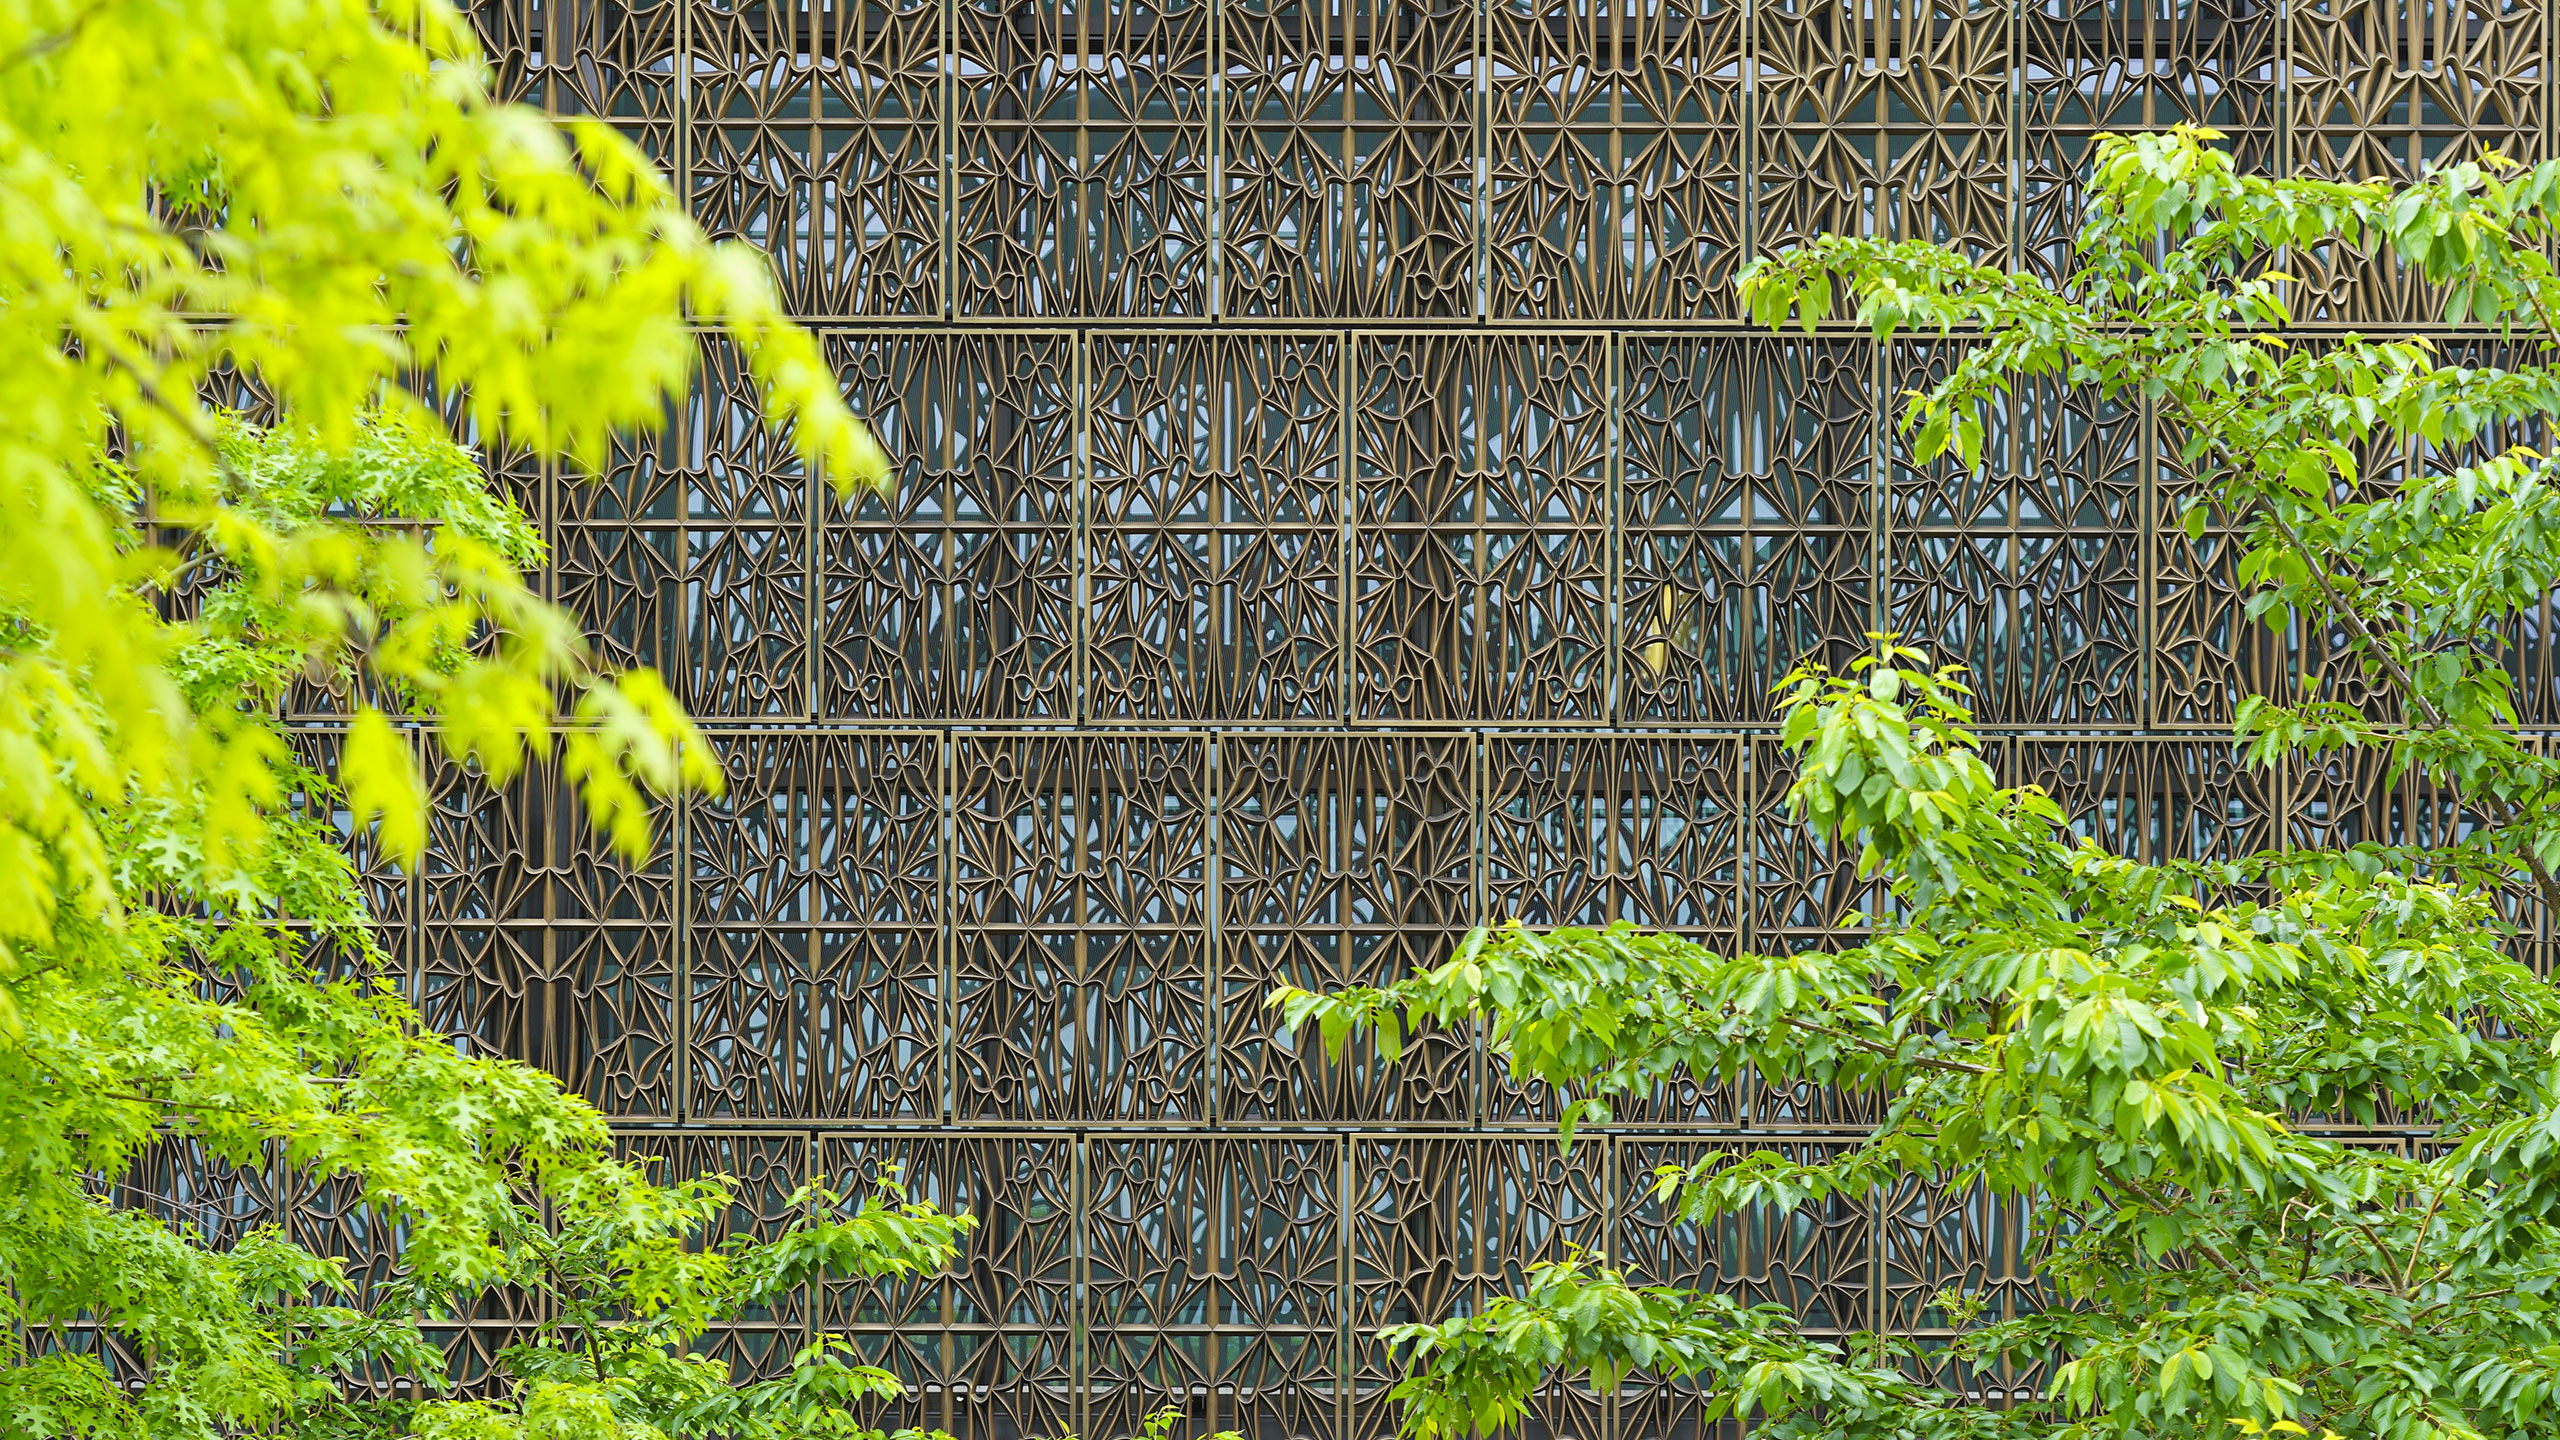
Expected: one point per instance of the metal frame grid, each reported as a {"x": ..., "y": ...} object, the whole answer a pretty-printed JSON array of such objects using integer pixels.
[
  {"x": 1633, "y": 530},
  {"x": 1532, "y": 161},
  {"x": 1025, "y": 966}
]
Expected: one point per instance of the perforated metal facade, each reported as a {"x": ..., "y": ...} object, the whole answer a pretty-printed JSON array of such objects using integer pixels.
[{"x": 1338, "y": 504}]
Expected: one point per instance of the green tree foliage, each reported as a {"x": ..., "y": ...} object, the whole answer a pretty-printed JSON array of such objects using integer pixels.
[
  {"x": 330, "y": 178},
  {"x": 1159, "y": 1426},
  {"x": 187, "y": 970},
  {"x": 2129, "y": 1052},
  {"x": 630, "y": 1286}
]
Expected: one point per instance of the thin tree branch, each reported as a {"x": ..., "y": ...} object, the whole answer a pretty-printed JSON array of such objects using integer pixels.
[
  {"x": 2162, "y": 1204},
  {"x": 2419, "y": 1244},
  {"x": 1878, "y": 1047}
]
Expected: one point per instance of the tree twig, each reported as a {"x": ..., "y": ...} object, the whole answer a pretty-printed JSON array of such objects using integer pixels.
[
  {"x": 1878, "y": 1047},
  {"x": 2420, "y": 1243},
  {"x": 2162, "y": 1204}
]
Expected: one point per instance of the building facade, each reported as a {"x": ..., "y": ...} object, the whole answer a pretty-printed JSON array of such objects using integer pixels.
[{"x": 1339, "y": 503}]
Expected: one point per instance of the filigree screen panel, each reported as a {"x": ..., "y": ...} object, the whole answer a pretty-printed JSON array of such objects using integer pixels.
[
  {"x": 1438, "y": 1226},
  {"x": 953, "y": 597},
  {"x": 813, "y": 894},
  {"x": 2384, "y": 88},
  {"x": 2356, "y": 800},
  {"x": 1349, "y": 138},
  {"x": 1615, "y": 159},
  {"x": 765, "y": 1170},
  {"x": 2206, "y": 653},
  {"x": 390, "y": 889},
  {"x": 1590, "y": 830},
  {"x": 1801, "y": 892},
  {"x": 617, "y": 556},
  {"x": 617, "y": 60},
  {"x": 1886, "y": 118},
  {"x": 1078, "y": 902},
  {"x": 689, "y": 552},
  {"x": 900, "y": 1324},
  {"x": 1214, "y": 1272},
  {"x": 209, "y": 1200},
  {"x": 817, "y": 138},
  {"x": 538, "y": 943},
  {"x": 2154, "y": 799},
  {"x": 2088, "y": 67},
  {"x": 2531, "y": 654},
  {"x": 1215, "y": 532},
  {"x": 1481, "y": 487},
  {"x": 1746, "y": 469},
  {"x": 2351, "y": 799},
  {"x": 1940, "y": 1241},
  {"x": 1082, "y": 164},
  {"x": 1341, "y": 860},
  {"x": 1010, "y": 1343},
  {"x": 1817, "y": 1261},
  {"x": 2027, "y": 567},
  {"x": 1587, "y": 830}
]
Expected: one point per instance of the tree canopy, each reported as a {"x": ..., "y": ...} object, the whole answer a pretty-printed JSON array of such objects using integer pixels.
[
  {"x": 317, "y": 200},
  {"x": 2133, "y": 1053}
]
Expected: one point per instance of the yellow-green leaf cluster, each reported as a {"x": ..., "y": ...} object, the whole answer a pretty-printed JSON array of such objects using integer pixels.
[{"x": 312, "y": 209}]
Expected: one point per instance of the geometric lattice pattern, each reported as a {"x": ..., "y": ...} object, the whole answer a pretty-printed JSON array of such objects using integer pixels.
[{"x": 1338, "y": 504}]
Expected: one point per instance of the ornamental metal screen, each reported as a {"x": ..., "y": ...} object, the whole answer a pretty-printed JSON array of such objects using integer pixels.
[{"x": 1338, "y": 504}]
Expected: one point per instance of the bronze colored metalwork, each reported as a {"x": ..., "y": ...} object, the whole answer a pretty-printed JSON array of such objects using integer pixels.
[
  {"x": 955, "y": 599},
  {"x": 1614, "y": 159},
  {"x": 1339, "y": 504},
  {"x": 1347, "y": 177},
  {"x": 2383, "y": 88},
  {"x": 815, "y": 134},
  {"x": 1081, "y": 165},
  {"x": 2027, "y": 568},
  {"x": 1214, "y": 550},
  {"x": 1080, "y": 963},
  {"x": 1747, "y": 512},
  {"x": 1481, "y": 506},
  {"x": 2088, "y": 66},
  {"x": 811, "y": 893},
  {"x": 535, "y": 942}
]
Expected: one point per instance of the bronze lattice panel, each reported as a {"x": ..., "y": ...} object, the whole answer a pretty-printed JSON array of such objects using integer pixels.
[
  {"x": 1337, "y": 504},
  {"x": 1341, "y": 160}
]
